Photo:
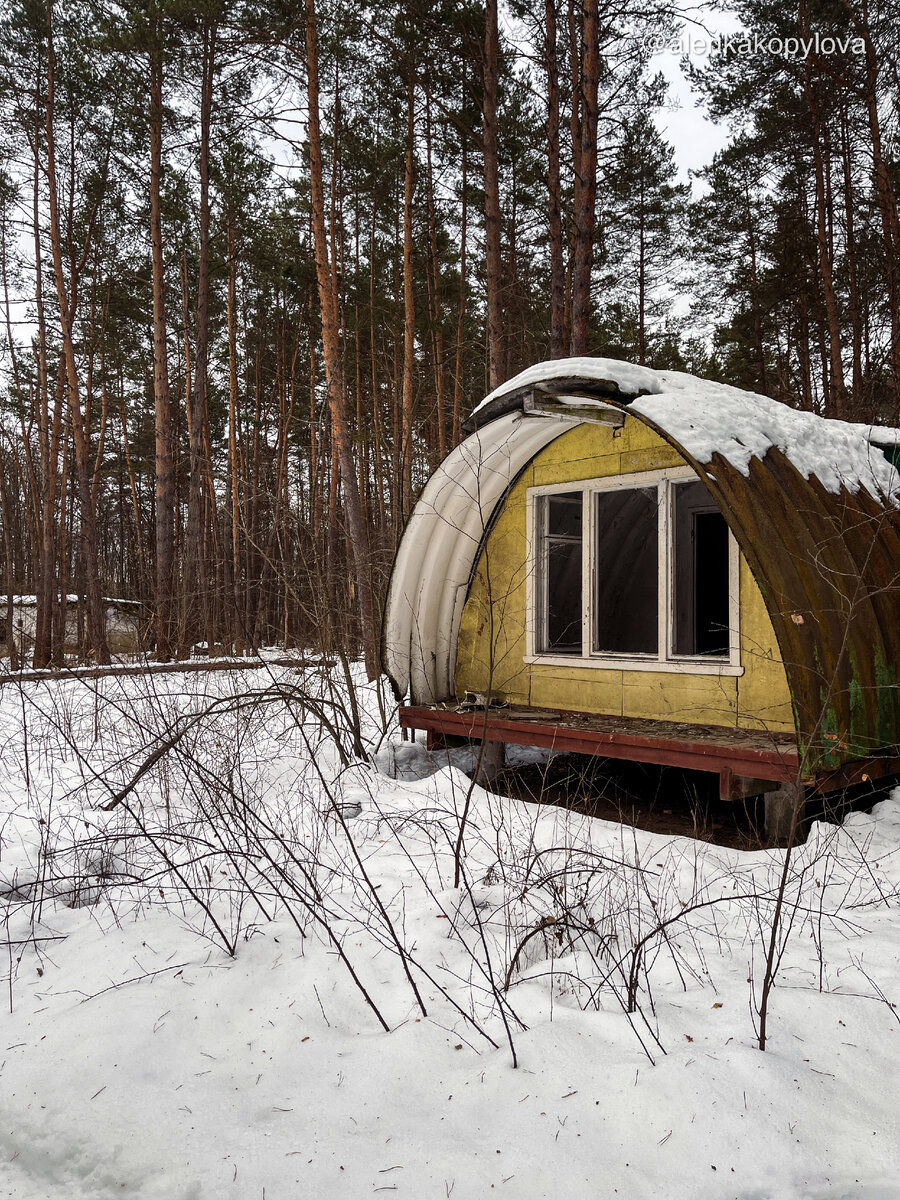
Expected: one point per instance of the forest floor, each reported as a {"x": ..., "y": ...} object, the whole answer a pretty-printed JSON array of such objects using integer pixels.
[{"x": 199, "y": 977}]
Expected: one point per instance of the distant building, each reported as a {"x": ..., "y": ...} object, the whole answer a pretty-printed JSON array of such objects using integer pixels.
[{"x": 123, "y": 624}]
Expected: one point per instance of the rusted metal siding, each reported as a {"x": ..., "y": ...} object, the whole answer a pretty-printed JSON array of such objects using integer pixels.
[{"x": 827, "y": 565}]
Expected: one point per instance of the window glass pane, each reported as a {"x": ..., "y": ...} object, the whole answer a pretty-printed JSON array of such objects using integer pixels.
[
  {"x": 700, "y": 573},
  {"x": 562, "y": 564},
  {"x": 627, "y": 572},
  {"x": 564, "y": 515},
  {"x": 564, "y": 597}
]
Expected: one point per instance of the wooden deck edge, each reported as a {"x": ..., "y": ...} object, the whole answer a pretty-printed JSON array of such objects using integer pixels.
[{"x": 778, "y": 765}]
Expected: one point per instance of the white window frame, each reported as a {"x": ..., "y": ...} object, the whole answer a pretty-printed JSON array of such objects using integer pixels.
[{"x": 665, "y": 660}]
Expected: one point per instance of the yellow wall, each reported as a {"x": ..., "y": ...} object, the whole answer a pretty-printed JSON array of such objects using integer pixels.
[{"x": 757, "y": 699}]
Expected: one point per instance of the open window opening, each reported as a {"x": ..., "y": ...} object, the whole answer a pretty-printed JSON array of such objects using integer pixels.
[{"x": 701, "y": 573}]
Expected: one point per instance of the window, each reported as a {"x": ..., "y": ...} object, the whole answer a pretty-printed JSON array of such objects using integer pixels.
[
  {"x": 626, "y": 571},
  {"x": 562, "y": 572},
  {"x": 700, "y": 574},
  {"x": 637, "y": 572}
]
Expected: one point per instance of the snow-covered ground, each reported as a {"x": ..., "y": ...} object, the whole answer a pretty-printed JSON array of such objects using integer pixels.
[{"x": 200, "y": 976}]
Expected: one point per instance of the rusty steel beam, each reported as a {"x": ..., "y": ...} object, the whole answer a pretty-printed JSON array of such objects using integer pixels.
[
  {"x": 863, "y": 770},
  {"x": 777, "y": 764},
  {"x": 741, "y": 787}
]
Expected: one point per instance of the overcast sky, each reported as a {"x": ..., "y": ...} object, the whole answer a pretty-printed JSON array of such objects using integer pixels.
[{"x": 693, "y": 136}]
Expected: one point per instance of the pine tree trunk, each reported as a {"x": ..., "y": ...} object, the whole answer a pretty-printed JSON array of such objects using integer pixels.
[
  {"x": 852, "y": 275},
  {"x": 456, "y": 432},
  {"x": 164, "y": 531},
  {"x": 237, "y": 616},
  {"x": 493, "y": 262},
  {"x": 66, "y": 521},
  {"x": 884, "y": 189},
  {"x": 334, "y": 374},
  {"x": 586, "y": 179},
  {"x": 378, "y": 450},
  {"x": 557, "y": 266},
  {"x": 6, "y": 511},
  {"x": 575, "y": 54},
  {"x": 754, "y": 297},
  {"x": 436, "y": 314},
  {"x": 44, "y": 591},
  {"x": 642, "y": 274},
  {"x": 409, "y": 305},
  {"x": 836, "y": 394},
  {"x": 196, "y": 617},
  {"x": 68, "y": 300}
]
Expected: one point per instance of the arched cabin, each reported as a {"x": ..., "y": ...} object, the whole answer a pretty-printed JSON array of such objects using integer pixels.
[{"x": 645, "y": 565}]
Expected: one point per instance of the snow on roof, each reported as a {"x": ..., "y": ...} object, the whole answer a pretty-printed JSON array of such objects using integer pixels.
[
  {"x": 627, "y": 378},
  {"x": 708, "y": 418}
]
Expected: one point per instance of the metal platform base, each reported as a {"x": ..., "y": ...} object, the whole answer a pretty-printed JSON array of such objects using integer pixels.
[{"x": 748, "y": 762}]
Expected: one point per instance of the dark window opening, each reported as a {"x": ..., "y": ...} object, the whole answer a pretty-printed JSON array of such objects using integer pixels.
[
  {"x": 626, "y": 581},
  {"x": 563, "y": 520},
  {"x": 701, "y": 575}
]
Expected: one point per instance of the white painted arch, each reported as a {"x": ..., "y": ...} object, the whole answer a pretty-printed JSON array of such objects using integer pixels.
[{"x": 440, "y": 546}]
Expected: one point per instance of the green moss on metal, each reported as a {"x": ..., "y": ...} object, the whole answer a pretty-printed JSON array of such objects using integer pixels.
[
  {"x": 850, "y": 724},
  {"x": 859, "y": 733},
  {"x": 887, "y": 724},
  {"x": 830, "y": 738},
  {"x": 846, "y": 718}
]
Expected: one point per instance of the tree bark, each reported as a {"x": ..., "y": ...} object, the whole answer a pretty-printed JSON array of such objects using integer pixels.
[
  {"x": 642, "y": 271},
  {"x": 237, "y": 622},
  {"x": 456, "y": 431},
  {"x": 493, "y": 262},
  {"x": 44, "y": 591},
  {"x": 6, "y": 509},
  {"x": 852, "y": 275},
  {"x": 196, "y": 617},
  {"x": 162, "y": 421},
  {"x": 334, "y": 373},
  {"x": 884, "y": 189},
  {"x": 586, "y": 179},
  {"x": 836, "y": 401},
  {"x": 68, "y": 302},
  {"x": 409, "y": 304},
  {"x": 436, "y": 314},
  {"x": 557, "y": 265}
]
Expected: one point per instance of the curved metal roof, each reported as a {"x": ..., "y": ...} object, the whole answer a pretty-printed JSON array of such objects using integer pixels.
[
  {"x": 440, "y": 546},
  {"x": 810, "y": 502}
]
